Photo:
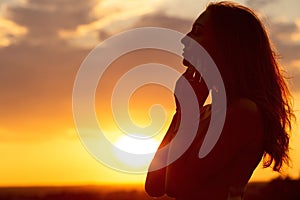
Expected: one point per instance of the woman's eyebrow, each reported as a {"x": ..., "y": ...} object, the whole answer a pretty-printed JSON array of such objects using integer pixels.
[{"x": 198, "y": 24}]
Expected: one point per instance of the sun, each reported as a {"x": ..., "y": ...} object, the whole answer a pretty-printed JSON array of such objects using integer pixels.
[{"x": 133, "y": 145}]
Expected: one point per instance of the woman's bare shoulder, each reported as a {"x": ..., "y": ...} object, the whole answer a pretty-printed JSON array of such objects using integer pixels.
[
  {"x": 244, "y": 106},
  {"x": 244, "y": 116}
]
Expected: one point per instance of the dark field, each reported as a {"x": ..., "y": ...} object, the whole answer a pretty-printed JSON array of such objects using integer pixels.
[{"x": 275, "y": 190}]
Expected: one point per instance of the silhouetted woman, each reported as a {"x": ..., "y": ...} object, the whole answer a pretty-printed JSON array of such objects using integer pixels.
[{"x": 258, "y": 116}]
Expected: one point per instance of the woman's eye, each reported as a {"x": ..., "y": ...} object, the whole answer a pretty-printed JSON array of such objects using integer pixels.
[{"x": 196, "y": 30}]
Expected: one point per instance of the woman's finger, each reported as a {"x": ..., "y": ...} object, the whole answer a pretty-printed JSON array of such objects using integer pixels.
[
  {"x": 197, "y": 76},
  {"x": 189, "y": 73}
]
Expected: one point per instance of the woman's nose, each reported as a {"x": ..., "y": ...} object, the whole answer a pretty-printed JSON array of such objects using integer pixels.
[{"x": 184, "y": 40}]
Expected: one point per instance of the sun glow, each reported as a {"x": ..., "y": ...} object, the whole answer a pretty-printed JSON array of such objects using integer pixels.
[{"x": 135, "y": 146}]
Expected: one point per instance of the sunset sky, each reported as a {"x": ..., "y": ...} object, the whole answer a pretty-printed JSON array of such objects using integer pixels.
[{"x": 44, "y": 42}]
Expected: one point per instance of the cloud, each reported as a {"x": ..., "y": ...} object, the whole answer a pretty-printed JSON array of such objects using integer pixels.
[
  {"x": 160, "y": 19},
  {"x": 10, "y": 32},
  {"x": 259, "y": 3},
  {"x": 44, "y": 19},
  {"x": 282, "y": 35}
]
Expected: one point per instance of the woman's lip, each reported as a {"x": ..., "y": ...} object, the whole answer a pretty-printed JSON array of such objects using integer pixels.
[
  {"x": 184, "y": 52},
  {"x": 185, "y": 49}
]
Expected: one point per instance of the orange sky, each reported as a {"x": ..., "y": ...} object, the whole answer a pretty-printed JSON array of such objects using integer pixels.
[{"x": 41, "y": 48}]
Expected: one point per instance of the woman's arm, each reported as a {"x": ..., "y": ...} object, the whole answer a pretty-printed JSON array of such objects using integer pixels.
[
  {"x": 155, "y": 181},
  {"x": 242, "y": 130}
]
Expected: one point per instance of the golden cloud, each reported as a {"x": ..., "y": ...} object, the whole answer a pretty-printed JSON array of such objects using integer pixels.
[
  {"x": 111, "y": 19},
  {"x": 296, "y": 36},
  {"x": 10, "y": 31}
]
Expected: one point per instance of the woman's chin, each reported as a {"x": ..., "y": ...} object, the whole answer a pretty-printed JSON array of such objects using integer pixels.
[{"x": 186, "y": 63}]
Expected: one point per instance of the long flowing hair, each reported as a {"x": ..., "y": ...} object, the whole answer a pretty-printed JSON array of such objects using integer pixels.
[{"x": 250, "y": 69}]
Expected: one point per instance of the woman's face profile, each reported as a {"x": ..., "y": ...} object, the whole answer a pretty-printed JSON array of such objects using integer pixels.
[{"x": 202, "y": 33}]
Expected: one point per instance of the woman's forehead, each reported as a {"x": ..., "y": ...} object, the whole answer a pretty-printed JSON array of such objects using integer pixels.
[{"x": 203, "y": 19}]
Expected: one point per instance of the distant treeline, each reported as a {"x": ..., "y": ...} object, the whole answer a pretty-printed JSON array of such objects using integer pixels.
[{"x": 277, "y": 189}]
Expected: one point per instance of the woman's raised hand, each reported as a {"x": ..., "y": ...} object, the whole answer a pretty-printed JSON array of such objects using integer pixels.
[{"x": 196, "y": 82}]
